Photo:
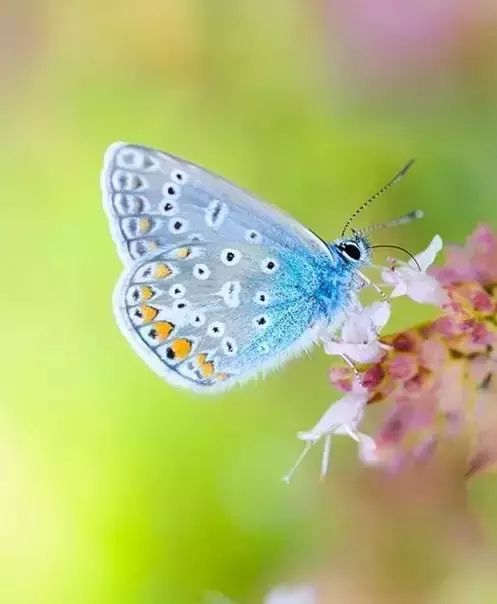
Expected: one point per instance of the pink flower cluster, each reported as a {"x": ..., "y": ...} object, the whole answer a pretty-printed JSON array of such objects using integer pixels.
[{"x": 439, "y": 377}]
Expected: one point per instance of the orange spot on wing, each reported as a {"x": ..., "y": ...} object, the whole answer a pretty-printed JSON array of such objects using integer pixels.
[
  {"x": 207, "y": 369},
  {"x": 162, "y": 271},
  {"x": 146, "y": 292},
  {"x": 220, "y": 377},
  {"x": 148, "y": 313},
  {"x": 183, "y": 252},
  {"x": 163, "y": 330},
  {"x": 201, "y": 359},
  {"x": 144, "y": 225},
  {"x": 181, "y": 348}
]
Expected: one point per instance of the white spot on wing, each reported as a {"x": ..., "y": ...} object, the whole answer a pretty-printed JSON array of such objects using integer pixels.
[
  {"x": 129, "y": 204},
  {"x": 171, "y": 190},
  {"x": 177, "y": 226},
  {"x": 177, "y": 291},
  {"x": 230, "y": 256},
  {"x": 197, "y": 319},
  {"x": 230, "y": 292},
  {"x": 215, "y": 329},
  {"x": 201, "y": 271},
  {"x": 180, "y": 177},
  {"x": 215, "y": 213},
  {"x": 253, "y": 236},
  {"x": 261, "y": 298},
  {"x": 128, "y": 181},
  {"x": 269, "y": 265},
  {"x": 131, "y": 159},
  {"x": 168, "y": 207},
  {"x": 182, "y": 305},
  {"x": 229, "y": 347},
  {"x": 135, "y": 159},
  {"x": 260, "y": 322}
]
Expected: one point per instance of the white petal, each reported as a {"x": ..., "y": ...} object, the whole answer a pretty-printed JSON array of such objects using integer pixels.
[
  {"x": 408, "y": 280},
  {"x": 400, "y": 289},
  {"x": 347, "y": 411},
  {"x": 426, "y": 290},
  {"x": 380, "y": 314},
  {"x": 358, "y": 329},
  {"x": 359, "y": 336},
  {"x": 427, "y": 257},
  {"x": 360, "y": 353},
  {"x": 297, "y": 594},
  {"x": 367, "y": 450}
]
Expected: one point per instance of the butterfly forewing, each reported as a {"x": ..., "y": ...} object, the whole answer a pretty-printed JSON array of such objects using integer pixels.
[{"x": 155, "y": 200}]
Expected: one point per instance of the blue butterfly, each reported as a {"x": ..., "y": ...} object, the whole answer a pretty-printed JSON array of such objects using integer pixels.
[{"x": 218, "y": 286}]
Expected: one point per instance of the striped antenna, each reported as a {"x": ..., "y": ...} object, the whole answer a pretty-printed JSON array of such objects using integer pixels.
[
  {"x": 405, "y": 219},
  {"x": 383, "y": 189}
]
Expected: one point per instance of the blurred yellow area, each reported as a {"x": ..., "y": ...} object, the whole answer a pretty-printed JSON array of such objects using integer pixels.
[{"x": 117, "y": 488}]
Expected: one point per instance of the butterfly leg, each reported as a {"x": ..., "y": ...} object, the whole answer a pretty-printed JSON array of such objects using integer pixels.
[
  {"x": 370, "y": 283},
  {"x": 350, "y": 363}
]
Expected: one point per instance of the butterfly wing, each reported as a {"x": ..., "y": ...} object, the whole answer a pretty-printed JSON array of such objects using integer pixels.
[
  {"x": 205, "y": 316},
  {"x": 218, "y": 285},
  {"x": 155, "y": 200}
]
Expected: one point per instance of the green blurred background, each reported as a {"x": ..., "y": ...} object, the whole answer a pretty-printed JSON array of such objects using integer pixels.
[{"x": 117, "y": 488}]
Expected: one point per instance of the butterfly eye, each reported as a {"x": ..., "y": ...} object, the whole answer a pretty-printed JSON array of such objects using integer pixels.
[{"x": 352, "y": 251}]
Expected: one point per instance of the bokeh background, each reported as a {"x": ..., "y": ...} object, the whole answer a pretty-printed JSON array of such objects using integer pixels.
[{"x": 115, "y": 487}]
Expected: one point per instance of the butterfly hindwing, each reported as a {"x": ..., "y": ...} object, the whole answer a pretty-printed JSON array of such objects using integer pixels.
[
  {"x": 155, "y": 200},
  {"x": 206, "y": 315}
]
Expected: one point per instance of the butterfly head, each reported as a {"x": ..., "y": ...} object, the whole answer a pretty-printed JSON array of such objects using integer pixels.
[{"x": 354, "y": 250}]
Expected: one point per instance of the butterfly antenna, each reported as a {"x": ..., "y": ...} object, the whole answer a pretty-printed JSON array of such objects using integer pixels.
[
  {"x": 405, "y": 219},
  {"x": 383, "y": 189},
  {"x": 401, "y": 249}
]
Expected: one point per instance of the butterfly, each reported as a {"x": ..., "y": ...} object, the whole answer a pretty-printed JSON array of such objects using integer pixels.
[{"x": 218, "y": 286}]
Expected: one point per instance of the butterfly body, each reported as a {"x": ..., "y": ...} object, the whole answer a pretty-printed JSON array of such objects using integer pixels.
[{"x": 218, "y": 286}]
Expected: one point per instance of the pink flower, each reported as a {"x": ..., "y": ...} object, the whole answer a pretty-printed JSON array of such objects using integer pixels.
[
  {"x": 341, "y": 418},
  {"x": 476, "y": 261},
  {"x": 412, "y": 280},
  {"x": 359, "y": 334},
  {"x": 438, "y": 378}
]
